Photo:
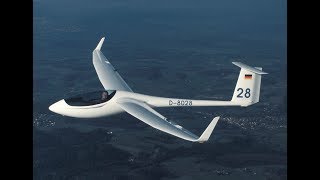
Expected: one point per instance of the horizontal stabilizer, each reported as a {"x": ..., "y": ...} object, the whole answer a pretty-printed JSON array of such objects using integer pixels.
[{"x": 249, "y": 68}]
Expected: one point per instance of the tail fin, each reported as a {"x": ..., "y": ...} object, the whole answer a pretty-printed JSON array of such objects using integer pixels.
[{"x": 247, "y": 90}]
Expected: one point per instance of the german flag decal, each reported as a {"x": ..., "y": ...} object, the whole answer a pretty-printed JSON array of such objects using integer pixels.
[{"x": 248, "y": 76}]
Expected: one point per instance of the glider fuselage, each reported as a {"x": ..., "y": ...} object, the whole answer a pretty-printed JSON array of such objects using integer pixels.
[{"x": 111, "y": 107}]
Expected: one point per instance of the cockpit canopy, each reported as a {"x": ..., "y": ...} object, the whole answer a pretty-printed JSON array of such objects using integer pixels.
[{"x": 91, "y": 98}]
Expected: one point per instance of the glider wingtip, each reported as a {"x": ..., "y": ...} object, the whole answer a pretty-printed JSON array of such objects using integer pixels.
[
  {"x": 100, "y": 44},
  {"x": 207, "y": 133},
  {"x": 235, "y": 62}
]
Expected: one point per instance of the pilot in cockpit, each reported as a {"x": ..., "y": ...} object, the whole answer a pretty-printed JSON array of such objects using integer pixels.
[{"x": 104, "y": 95}]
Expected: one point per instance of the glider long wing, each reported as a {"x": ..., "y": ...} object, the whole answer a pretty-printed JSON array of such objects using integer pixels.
[
  {"x": 151, "y": 117},
  {"x": 108, "y": 75}
]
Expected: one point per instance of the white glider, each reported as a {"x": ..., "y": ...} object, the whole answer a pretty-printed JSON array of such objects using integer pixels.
[{"x": 118, "y": 97}]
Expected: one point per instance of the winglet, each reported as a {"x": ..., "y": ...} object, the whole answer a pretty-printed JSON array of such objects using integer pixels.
[
  {"x": 100, "y": 44},
  {"x": 206, "y": 134}
]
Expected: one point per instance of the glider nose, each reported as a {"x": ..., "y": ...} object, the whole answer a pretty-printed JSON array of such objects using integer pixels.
[{"x": 58, "y": 107}]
